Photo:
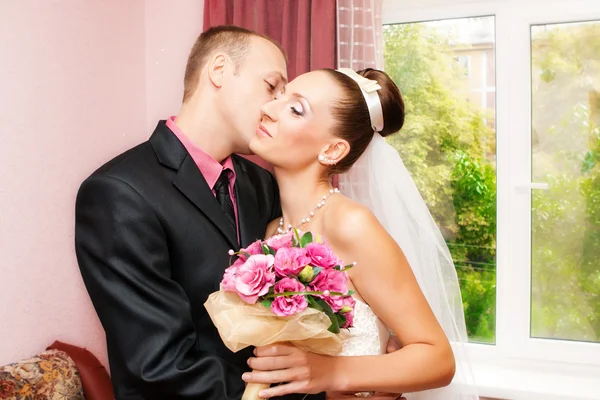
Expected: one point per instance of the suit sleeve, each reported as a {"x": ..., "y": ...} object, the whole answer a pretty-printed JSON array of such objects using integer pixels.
[
  {"x": 123, "y": 256},
  {"x": 276, "y": 208}
]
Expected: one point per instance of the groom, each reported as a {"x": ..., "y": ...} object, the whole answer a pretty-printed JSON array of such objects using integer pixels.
[{"x": 154, "y": 225}]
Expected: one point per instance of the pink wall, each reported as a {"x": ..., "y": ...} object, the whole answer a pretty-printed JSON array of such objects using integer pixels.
[
  {"x": 71, "y": 69},
  {"x": 171, "y": 29}
]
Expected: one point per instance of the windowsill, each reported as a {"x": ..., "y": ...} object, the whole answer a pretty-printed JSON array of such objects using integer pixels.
[{"x": 537, "y": 381}]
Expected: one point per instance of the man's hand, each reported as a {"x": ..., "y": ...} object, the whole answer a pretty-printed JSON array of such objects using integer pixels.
[{"x": 393, "y": 344}]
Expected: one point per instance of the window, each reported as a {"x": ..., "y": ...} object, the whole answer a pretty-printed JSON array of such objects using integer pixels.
[
  {"x": 565, "y": 114},
  {"x": 532, "y": 290},
  {"x": 448, "y": 145}
]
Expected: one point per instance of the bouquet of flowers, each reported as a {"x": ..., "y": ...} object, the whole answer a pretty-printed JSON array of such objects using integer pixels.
[{"x": 288, "y": 288}]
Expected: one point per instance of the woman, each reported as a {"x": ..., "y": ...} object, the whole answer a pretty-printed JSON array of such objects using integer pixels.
[{"x": 330, "y": 123}]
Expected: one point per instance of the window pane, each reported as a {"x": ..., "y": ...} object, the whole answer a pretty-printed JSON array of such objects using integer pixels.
[
  {"x": 446, "y": 70},
  {"x": 566, "y": 155}
]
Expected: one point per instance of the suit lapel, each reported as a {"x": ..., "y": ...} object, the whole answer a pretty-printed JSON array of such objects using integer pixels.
[
  {"x": 189, "y": 180},
  {"x": 247, "y": 205},
  {"x": 192, "y": 184}
]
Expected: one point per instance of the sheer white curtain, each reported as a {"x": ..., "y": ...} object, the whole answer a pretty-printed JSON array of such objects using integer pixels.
[{"x": 360, "y": 34}]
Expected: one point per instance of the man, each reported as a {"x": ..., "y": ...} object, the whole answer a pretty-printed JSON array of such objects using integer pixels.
[{"x": 154, "y": 225}]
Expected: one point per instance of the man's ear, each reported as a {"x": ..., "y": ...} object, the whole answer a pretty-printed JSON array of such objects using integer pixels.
[{"x": 216, "y": 69}]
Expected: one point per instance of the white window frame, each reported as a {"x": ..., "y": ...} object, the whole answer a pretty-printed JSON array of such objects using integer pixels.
[{"x": 517, "y": 366}]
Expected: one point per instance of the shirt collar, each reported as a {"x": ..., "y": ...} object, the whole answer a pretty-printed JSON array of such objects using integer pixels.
[{"x": 209, "y": 167}]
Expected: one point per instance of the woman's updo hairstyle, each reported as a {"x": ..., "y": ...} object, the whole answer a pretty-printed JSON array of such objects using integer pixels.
[{"x": 353, "y": 122}]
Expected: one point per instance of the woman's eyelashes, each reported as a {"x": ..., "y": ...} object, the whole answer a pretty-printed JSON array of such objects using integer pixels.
[{"x": 297, "y": 109}]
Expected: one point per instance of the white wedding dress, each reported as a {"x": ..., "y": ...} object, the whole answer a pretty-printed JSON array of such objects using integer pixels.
[{"x": 368, "y": 337}]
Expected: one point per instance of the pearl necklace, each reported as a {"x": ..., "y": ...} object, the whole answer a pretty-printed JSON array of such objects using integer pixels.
[{"x": 310, "y": 215}]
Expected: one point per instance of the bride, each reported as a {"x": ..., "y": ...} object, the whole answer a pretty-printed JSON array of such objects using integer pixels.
[{"x": 333, "y": 123}]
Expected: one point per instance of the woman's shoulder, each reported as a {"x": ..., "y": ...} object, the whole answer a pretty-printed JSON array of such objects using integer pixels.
[{"x": 348, "y": 221}]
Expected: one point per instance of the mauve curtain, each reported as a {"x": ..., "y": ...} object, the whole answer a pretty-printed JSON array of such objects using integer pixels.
[{"x": 306, "y": 29}]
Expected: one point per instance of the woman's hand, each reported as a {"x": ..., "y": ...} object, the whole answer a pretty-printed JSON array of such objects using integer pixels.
[{"x": 301, "y": 371}]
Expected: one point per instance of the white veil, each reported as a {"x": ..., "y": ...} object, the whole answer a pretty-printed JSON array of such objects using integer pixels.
[{"x": 380, "y": 181}]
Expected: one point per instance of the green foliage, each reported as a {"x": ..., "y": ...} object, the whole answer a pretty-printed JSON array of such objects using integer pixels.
[
  {"x": 566, "y": 218},
  {"x": 306, "y": 239},
  {"x": 444, "y": 144},
  {"x": 451, "y": 155}
]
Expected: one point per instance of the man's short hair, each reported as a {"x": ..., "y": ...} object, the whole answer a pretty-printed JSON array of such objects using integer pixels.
[{"x": 230, "y": 39}]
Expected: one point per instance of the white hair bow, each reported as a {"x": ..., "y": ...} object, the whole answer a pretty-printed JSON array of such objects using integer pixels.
[{"x": 369, "y": 88}]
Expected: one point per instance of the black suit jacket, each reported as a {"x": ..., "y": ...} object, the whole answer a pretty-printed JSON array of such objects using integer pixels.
[{"x": 152, "y": 242}]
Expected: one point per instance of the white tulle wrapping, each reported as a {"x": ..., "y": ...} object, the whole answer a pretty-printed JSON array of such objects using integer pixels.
[{"x": 380, "y": 181}]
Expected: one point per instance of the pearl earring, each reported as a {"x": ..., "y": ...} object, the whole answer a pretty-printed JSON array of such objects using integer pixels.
[{"x": 326, "y": 160}]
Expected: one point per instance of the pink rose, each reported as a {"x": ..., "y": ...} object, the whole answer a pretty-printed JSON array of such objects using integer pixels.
[
  {"x": 285, "y": 306},
  {"x": 290, "y": 261},
  {"x": 228, "y": 281},
  {"x": 321, "y": 255},
  {"x": 253, "y": 249},
  {"x": 336, "y": 302},
  {"x": 254, "y": 278},
  {"x": 331, "y": 280},
  {"x": 340, "y": 303},
  {"x": 348, "y": 304},
  {"x": 278, "y": 241},
  {"x": 238, "y": 263},
  {"x": 349, "y": 320}
]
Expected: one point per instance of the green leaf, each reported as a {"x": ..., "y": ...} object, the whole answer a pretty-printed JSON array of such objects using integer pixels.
[
  {"x": 349, "y": 266},
  {"x": 267, "y": 303},
  {"x": 335, "y": 325},
  {"x": 312, "y": 303},
  {"x": 267, "y": 249},
  {"x": 316, "y": 271},
  {"x": 296, "y": 238},
  {"x": 346, "y": 267},
  {"x": 341, "y": 319},
  {"x": 306, "y": 239}
]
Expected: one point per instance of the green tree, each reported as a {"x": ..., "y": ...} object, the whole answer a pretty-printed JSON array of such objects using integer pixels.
[
  {"x": 566, "y": 218},
  {"x": 444, "y": 144}
]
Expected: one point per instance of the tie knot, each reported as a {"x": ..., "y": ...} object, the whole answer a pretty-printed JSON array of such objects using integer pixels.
[{"x": 222, "y": 184}]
